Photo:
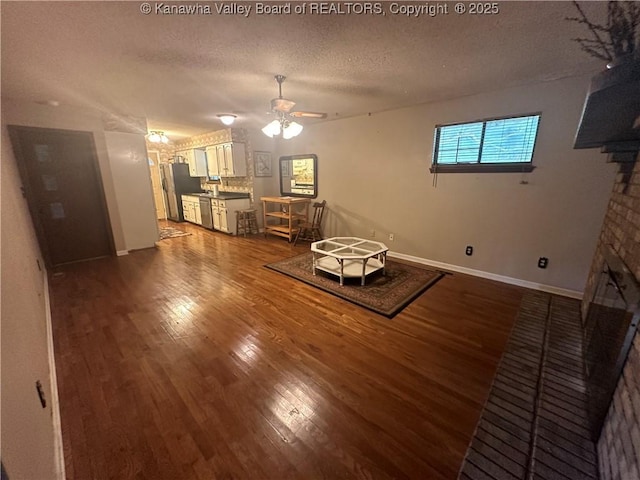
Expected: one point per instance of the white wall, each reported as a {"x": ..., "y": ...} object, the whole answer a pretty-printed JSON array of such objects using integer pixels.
[
  {"x": 373, "y": 172},
  {"x": 132, "y": 185},
  {"x": 29, "y": 432}
]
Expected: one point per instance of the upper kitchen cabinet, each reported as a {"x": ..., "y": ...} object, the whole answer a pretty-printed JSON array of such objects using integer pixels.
[
  {"x": 227, "y": 160},
  {"x": 197, "y": 160},
  {"x": 235, "y": 160},
  {"x": 212, "y": 160}
]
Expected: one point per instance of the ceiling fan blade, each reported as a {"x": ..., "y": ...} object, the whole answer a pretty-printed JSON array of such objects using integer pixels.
[
  {"x": 282, "y": 105},
  {"x": 308, "y": 114}
]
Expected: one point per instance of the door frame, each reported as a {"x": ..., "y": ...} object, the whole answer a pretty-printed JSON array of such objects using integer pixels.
[{"x": 28, "y": 190}]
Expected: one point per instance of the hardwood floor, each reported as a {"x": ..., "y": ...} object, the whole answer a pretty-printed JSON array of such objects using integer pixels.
[{"x": 193, "y": 361}]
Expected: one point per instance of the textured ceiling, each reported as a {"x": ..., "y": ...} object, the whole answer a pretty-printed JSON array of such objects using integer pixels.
[{"x": 179, "y": 71}]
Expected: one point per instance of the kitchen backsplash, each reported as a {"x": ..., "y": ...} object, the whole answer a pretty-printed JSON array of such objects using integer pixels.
[{"x": 238, "y": 135}]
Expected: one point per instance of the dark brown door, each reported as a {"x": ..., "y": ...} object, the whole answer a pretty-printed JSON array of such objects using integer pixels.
[{"x": 60, "y": 175}]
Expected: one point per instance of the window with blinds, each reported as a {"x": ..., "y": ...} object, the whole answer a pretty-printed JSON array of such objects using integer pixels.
[{"x": 496, "y": 145}]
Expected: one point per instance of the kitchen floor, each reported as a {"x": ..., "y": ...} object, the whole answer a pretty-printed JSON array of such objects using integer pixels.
[{"x": 193, "y": 361}]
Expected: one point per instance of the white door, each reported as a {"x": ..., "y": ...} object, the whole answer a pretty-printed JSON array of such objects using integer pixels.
[{"x": 158, "y": 194}]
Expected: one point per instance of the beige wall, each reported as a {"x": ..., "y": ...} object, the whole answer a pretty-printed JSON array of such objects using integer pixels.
[
  {"x": 265, "y": 186},
  {"x": 29, "y": 433},
  {"x": 373, "y": 172},
  {"x": 132, "y": 186}
]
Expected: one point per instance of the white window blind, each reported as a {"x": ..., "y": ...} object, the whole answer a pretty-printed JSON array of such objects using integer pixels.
[{"x": 499, "y": 141}]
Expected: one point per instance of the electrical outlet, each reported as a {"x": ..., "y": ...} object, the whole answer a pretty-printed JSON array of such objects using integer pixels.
[
  {"x": 373, "y": 233},
  {"x": 391, "y": 237},
  {"x": 543, "y": 262},
  {"x": 469, "y": 250}
]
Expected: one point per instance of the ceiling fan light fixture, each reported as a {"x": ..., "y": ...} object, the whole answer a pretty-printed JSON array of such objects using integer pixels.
[
  {"x": 227, "y": 118},
  {"x": 284, "y": 122},
  {"x": 291, "y": 129},
  {"x": 272, "y": 129},
  {"x": 156, "y": 136}
]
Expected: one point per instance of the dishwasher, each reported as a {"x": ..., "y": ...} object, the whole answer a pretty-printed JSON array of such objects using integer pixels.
[{"x": 205, "y": 213}]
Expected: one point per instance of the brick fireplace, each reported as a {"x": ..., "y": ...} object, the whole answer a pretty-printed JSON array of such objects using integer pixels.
[{"x": 619, "y": 442}]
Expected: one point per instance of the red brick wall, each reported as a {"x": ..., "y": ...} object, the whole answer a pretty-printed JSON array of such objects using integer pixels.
[{"x": 619, "y": 445}]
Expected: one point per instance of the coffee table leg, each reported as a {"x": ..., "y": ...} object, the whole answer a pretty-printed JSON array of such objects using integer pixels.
[
  {"x": 384, "y": 263},
  {"x": 313, "y": 267},
  {"x": 341, "y": 271},
  {"x": 364, "y": 269}
]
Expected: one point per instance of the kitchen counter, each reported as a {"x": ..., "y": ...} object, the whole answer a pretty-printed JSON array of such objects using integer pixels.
[{"x": 222, "y": 195}]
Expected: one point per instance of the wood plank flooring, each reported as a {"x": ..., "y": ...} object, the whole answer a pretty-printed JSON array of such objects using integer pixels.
[{"x": 193, "y": 361}]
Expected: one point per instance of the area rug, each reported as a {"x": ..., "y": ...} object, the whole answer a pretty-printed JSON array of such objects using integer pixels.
[
  {"x": 384, "y": 294},
  {"x": 170, "y": 232}
]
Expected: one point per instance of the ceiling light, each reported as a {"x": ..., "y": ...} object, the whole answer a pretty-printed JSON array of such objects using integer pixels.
[
  {"x": 227, "y": 118},
  {"x": 156, "y": 136},
  {"x": 288, "y": 128},
  {"x": 272, "y": 129},
  {"x": 291, "y": 129}
]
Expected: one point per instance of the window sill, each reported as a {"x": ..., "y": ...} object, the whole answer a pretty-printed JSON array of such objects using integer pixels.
[{"x": 483, "y": 168}]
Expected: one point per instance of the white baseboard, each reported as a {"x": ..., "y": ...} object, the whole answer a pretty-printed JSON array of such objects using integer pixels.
[
  {"x": 58, "y": 454},
  {"x": 490, "y": 276},
  {"x": 122, "y": 253}
]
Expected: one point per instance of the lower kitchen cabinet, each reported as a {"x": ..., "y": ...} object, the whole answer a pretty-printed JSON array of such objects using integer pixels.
[
  {"x": 224, "y": 213},
  {"x": 191, "y": 209}
]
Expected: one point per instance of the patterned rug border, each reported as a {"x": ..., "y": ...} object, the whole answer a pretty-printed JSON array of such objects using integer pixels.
[
  {"x": 172, "y": 233},
  {"x": 330, "y": 283}
]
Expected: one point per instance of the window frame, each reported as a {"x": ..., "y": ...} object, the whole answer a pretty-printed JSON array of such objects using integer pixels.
[{"x": 483, "y": 167}]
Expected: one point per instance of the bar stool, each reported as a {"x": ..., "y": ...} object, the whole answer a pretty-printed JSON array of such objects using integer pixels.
[{"x": 246, "y": 221}]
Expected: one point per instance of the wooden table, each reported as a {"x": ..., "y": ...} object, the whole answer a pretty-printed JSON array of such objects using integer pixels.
[{"x": 288, "y": 211}]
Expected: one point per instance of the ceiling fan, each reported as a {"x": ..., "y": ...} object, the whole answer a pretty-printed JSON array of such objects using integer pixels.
[
  {"x": 282, "y": 108},
  {"x": 281, "y": 104}
]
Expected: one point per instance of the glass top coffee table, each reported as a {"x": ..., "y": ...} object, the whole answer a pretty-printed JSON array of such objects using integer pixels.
[{"x": 349, "y": 257}]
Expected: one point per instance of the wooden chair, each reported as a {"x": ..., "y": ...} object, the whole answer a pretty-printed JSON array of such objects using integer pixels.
[{"x": 312, "y": 230}]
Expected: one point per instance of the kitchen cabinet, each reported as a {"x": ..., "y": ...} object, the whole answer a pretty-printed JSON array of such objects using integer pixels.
[
  {"x": 197, "y": 160},
  {"x": 224, "y": 213},
  {"x": 191, "y": 209},
  {"x": 198, "y": 215},
  {"x": 212, "y": 160},
  {"x": 227, "y": 160},
  {"x": 235, "y": 160}
]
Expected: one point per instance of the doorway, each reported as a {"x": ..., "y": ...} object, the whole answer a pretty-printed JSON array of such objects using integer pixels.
[
  {"x": 158, "y": 194},
  {"x": 62, "y": 184}
]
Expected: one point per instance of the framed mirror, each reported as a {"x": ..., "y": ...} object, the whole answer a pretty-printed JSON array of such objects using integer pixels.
[{"x": 299, "y": 176}]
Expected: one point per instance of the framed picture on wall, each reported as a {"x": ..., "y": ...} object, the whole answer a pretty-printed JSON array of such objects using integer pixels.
[{"x": 262, "y": 164}]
